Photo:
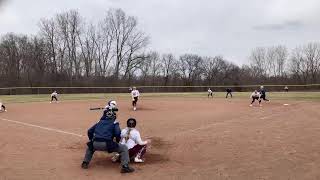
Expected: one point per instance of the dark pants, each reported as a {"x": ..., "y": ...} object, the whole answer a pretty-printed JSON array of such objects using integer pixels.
[
  {"x": 102, "y": 146},
  {"x": 137, "y": 151},
  {"x": 3, "y": 107},
  {"x": 228, "y": 94},
  {"x": 53, "y": 97},
  {"x": 210, "y": 94},
  {"x": 264, "y": 98},
  {"x": 134, "y": 102},
  {"x": 254, "y": 99}
]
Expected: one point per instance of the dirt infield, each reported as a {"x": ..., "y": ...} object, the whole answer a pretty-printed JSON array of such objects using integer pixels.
[{"x": 193, "y": 138}]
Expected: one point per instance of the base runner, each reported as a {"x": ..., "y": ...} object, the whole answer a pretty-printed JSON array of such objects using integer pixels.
[
  {"x": 263, "y": 93},
  {"x": 135, "y": 97},
  {"x": 256, "y": 96}
]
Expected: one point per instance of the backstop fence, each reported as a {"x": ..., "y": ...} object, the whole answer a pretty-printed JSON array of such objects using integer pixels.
[{"x": 152, "y": 89}]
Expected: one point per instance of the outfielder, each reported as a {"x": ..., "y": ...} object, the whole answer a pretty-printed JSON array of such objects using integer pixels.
[
  {"x": 102, "y": 136},
  {"x": 229, "y": 91},
  {"x": 135, "y": 97},
  {"x": 2, "y": 107},
  {"x": 210, "y": 93},
  {"x": 54, "y": 96},
  {"x": 256, "y": 96},
  {"x": 132, "y": 139}
]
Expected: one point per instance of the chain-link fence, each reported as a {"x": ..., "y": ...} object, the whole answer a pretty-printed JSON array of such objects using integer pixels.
[{"x": 153, "y": 89}]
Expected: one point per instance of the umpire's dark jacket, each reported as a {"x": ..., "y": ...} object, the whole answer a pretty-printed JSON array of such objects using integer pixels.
[{"x": 105, "y": 131}]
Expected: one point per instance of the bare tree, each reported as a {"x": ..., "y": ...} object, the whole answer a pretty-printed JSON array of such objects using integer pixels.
[
  {"x": 305, "y": 63},
  {"x": 258, "y": 61},
  {"x": 169, "y": 63},
  {"x": 128, "y": 39},
  {"x": 190, "y": 67},
  {"x": 276, "y": 57}
]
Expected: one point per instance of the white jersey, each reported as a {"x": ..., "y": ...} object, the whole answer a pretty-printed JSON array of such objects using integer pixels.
[
  {"x": 255, "y": 95},
  {"x": 54, "y": 94},
  {"x": 132, "y": 139},
  {"x": 135, "y": 93},
  {"x": 209, "y": 91}
]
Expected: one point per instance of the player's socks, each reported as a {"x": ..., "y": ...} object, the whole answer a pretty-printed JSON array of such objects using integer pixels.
[{"x": 138, "y": 160}]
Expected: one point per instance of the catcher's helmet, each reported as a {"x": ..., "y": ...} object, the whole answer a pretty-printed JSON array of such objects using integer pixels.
[{"x": 131, "y": 123}]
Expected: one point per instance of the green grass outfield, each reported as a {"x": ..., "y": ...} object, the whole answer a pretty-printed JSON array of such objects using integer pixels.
[{"x": 309, "y": 96}]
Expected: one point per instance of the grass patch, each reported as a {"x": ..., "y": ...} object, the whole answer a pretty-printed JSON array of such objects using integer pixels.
[{"x": 310, "y": 96}]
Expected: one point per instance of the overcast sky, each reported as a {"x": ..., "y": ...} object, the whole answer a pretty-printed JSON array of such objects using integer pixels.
[{"x": 231, "y": 28}]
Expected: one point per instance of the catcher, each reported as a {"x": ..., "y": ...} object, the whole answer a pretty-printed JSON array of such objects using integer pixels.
[{"x": 132, "y": 139}]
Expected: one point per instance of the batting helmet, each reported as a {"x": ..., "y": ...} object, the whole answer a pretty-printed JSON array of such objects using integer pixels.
[
  {"x": 112, "y": 105},
  {"x": 131, "y": 123}
]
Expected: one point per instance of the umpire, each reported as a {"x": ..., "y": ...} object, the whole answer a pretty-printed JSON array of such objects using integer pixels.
[{"x": 102, "y": 136}]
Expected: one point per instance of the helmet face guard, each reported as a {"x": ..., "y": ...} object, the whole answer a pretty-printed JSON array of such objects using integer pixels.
[
  {"x": 109, "y": 114},
  {"x": 131, "y": 123}
]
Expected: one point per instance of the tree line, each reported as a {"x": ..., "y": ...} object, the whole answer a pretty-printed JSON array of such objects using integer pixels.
[{"x": 70, "y": 51}]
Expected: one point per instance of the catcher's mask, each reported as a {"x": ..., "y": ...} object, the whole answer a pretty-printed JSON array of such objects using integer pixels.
[
  {"x": 131, "y": 123},
  {"x": 110, "y": 114}
]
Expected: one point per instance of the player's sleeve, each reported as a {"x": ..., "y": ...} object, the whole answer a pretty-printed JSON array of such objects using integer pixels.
[
  {"x": 139, "y": 140},
  {"x": 117, "y": 132},
  {"x": 123, "y": 133},
  {"x": 91, "y": 131}
]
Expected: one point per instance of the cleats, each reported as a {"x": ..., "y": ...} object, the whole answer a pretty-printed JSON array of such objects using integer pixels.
[{"x": 126, "y": 169}]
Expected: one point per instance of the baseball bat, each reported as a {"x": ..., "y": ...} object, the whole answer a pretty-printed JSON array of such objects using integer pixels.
[{"x": 98, "y": 108}]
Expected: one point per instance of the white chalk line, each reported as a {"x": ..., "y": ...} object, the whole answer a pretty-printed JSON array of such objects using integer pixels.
[{"x": 41, "y": 127}]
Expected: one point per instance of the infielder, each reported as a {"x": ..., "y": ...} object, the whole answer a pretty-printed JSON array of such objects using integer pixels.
[
  {"x": 2, "y": 107},
  {"x": 54, "y": 96},
  {"x": 263, "y": 93},
  {"x": 255, "y": 96},
  {"x": 229, "y": 91},
  {"x": 132, "y": 139},
  {"x": 210, "y": 93},
  {"x": 102, "y": 136},
  {"x": 135, "y": 97}
]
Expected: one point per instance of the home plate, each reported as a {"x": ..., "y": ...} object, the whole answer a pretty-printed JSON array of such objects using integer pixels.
[{"x": 286, "y": 104}]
